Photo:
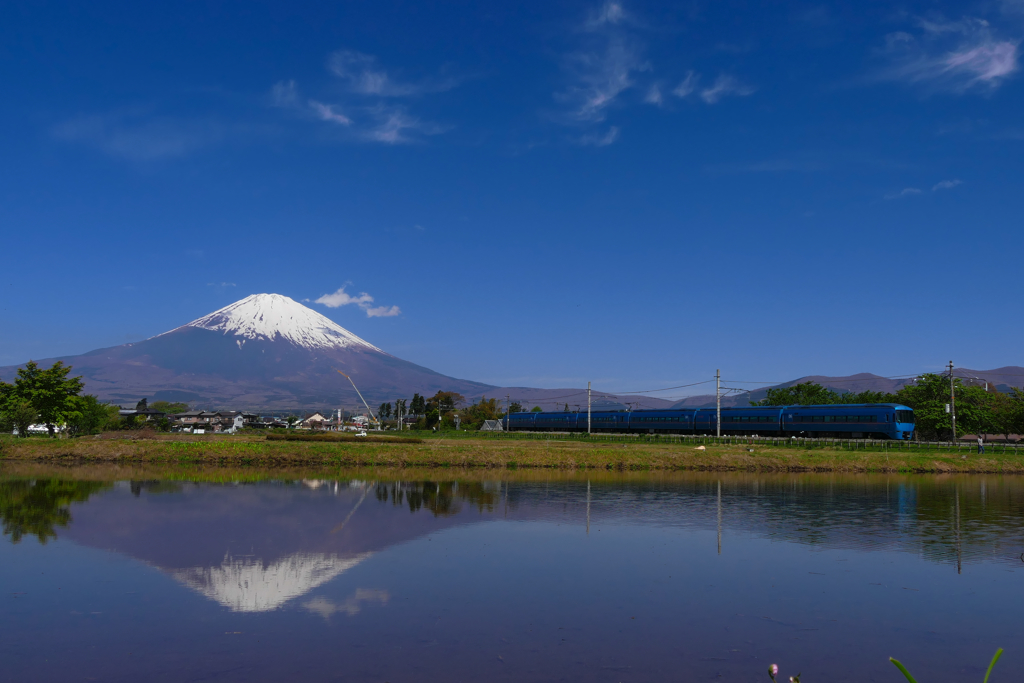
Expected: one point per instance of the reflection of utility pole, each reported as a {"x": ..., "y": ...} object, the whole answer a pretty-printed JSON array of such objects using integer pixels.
[
  {"x": 719, "y": 516},
  {"x": 588, "y": 506},
  {"x": 952, "y": 401},
  {"x": 956, "y": 491}
]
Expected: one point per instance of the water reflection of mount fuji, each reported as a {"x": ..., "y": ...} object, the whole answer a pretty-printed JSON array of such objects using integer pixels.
[{"x": 254, "y": 548}]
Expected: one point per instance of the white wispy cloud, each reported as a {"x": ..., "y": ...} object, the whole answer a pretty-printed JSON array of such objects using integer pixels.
[
  {"x": 284, "y": 94},
  {"x": 138, "y": 136},
  {"x": 945, "y": 185},
  {"x": 609, "y": 13},
  {"x": 687, "y": 85},
  {"x": 365, "y": 76},
  {"x": 363, "y": 300},
  {"x": 724, "y": 86},
  {"x": 383, "y": 312},
  {"x": 367, "y": 106},
  {"x": 956, "y": 57},
  {"x": 599, "y": 140},
  {"x": 600, "y": 77},
  {"x": 325, "y": 112},
  {"x": 221, "y": 284},
  {"x": 610, "y": 65},
  {"x": 905, "y": 192},
  {"x": 654, "y": 95},
  {"x": 343, "y": 298},
  {"x": 393, "y": 125}
]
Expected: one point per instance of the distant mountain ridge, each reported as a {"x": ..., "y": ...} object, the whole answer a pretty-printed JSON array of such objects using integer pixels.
[
  {"x": 1003, "y": 379},
  {"x": 268, "y": 352}
]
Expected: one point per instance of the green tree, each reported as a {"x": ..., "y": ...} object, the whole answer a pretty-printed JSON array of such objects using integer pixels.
[
  {"x": 536, "y": 409},
  {"x": 418, "y": 405},
  {"x": 515, "y": 407},
  {"x": 19, "y": 414},
  {"x": 475, "y": 415},
  {"x": 50, "y": 391},
  {"x": 384, "y": 411},
  {"x": 929, "y": 396},
  {"x": 441, "y": 405},
  {"x": 143, "y": 404},
  {"x": 803, "y": 394},
  {"x": 813, "y": 394},
  {"x": 88, "y": 416},
  {"x": 168, "y": 407}
]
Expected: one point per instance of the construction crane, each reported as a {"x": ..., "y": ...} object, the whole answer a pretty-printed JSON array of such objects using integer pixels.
[{"x": 372, "y": 416}]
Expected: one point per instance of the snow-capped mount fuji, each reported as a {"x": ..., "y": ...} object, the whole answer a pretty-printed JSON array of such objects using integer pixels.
[
  {"x": 264, "y": 352},
  {"x": 270, "y": 317}
]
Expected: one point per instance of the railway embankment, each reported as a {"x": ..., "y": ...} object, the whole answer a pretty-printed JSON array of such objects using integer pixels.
[{"x": 511, "y": 452}]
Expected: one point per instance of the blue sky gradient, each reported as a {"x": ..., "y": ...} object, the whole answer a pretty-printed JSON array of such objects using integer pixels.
[{"x": 630, "y": 193}]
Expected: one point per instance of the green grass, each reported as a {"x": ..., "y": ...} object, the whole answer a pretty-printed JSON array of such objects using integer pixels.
[{"x": 519, "y": 451}]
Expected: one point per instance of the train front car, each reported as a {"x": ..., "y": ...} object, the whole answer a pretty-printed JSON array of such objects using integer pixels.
[
  {"x": 850, "y": 421},
  {"x": 904, "y": 420}
]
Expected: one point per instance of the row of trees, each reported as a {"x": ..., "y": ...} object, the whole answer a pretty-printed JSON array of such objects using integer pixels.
[
  {"x": 52, "y": 398},
  {"x": 978, "y": 411},
  {"x": 441, "y": 409}
]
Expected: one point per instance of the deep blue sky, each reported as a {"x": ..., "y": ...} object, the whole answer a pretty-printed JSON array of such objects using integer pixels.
[{"x": 550, "y": 193}]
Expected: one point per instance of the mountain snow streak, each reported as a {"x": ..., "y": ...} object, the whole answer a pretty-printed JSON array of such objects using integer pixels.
[{"x": 271, "y": 317}]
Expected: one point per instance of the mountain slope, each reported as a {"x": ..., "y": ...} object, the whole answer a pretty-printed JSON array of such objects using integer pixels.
[{"x": 266, "y": 351}]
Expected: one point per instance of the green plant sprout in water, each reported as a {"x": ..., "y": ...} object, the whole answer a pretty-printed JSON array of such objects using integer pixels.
[
  {"x": 773, "y": 669},
  {"x": 995, "y": 658}
]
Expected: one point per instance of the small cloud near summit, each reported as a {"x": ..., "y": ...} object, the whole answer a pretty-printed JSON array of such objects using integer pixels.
[
  {"x": 945, "y": 185},
  {"x": 364, "y": 301}
]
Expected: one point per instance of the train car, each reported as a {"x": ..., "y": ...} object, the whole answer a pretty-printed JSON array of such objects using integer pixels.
[
  {"x": 659, "y": 421},
  {"x": 557, "y": 422},
  {"x": 856, "y": 421},
  {"x": 605, "y": 422},
  {"x": 753, "y": 421}
]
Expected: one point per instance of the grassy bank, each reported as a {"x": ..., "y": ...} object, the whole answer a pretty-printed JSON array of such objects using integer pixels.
[{"x": 467, "y": 452}]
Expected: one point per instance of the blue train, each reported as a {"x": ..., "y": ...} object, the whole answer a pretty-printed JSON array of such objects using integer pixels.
[{"x": 856, "y": 421}]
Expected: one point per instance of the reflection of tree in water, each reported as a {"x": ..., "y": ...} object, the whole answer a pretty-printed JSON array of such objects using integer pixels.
[
  {"x": 155, "y": 486},
  {"x": 38, "y": 506},
  {"x": 442, "y": 498}
]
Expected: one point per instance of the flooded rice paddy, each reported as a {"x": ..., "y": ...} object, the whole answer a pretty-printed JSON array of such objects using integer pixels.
[{"x": 668, "y": 578}]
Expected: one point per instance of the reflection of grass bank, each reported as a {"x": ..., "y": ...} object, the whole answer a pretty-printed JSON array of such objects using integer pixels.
[{"x": 509, "y": 454}]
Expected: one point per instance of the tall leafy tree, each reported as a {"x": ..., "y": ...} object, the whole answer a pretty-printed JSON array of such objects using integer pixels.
[
  {"x": 169, "y": 407},
  {"x": 929, "y": 396},
  {"x": 49, "y": 391},
  {"x": 88, "y": 416},
  {"x": 804, "y": 394}
]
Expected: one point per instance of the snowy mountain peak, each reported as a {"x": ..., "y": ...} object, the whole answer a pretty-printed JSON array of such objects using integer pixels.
[{"x": 273, "y": 316}]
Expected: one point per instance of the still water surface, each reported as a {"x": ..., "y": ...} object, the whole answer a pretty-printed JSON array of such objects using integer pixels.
[{"x": 668, "y": 578}]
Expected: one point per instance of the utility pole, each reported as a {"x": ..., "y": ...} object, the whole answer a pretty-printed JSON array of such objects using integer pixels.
[
  {"x": 588, "y": 409},
  {"x": 718, "y": 402},
  {"x": 952, "y": 401},
  {"x": 508, "y": 411}
]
